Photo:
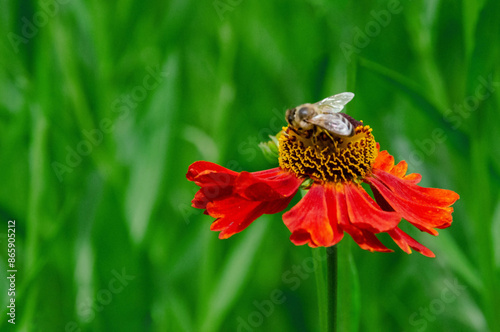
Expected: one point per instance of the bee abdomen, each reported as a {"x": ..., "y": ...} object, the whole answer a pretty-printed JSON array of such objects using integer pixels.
[{"x": 355, "y": 123}]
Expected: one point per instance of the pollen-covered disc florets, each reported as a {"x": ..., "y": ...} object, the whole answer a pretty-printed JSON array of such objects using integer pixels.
[{"x": 324, "y": 156}]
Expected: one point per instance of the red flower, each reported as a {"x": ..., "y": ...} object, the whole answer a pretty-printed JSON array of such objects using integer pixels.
[
  {"x": 237, "y": 199},
  {"x": 335, "y": 202}
]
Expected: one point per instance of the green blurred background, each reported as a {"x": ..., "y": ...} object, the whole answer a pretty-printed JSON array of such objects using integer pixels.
[{"x": 103, "y": 107}]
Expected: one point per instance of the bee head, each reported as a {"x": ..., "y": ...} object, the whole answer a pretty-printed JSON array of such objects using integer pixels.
[
  {"x": 290, "y": 116},
  {"x": 298, "y": 117}
]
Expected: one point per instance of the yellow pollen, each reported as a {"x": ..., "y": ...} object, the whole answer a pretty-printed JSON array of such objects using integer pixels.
[{"x": 323, "y": 156}]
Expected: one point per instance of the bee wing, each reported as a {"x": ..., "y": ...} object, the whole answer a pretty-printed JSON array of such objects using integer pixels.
[
  {"x": 335, "y": 104},
  {"x": 334, "y": 123}
]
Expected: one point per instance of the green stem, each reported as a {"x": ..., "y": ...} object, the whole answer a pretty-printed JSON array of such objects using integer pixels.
[{"x": 332, "y": 288}]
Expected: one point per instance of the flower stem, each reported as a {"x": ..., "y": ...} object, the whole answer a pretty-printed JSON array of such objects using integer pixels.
[{"x": 332, "y": 288}]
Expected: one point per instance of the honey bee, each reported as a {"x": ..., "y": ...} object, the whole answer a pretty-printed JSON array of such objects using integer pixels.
[{"x": 324, "y": 114}]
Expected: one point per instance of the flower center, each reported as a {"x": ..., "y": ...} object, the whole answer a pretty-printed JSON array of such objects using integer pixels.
[{"x": 324, "y": 156}]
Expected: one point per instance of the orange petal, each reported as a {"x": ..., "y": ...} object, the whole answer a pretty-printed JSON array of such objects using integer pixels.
[
  {"x": 405, "y": 242},
  {"x": 413, "y": 177},
  {"x": 400, "y": 169},
  {"x": 384, "y": 161}
]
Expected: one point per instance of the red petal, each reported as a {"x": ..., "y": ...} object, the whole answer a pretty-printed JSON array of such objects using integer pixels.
[
  {"x": 211, "y": 192},
  {"x": 233, "y": 215},
  {"x": 309, "y": 220},
  {"x": 413, "y": 192},
  {"x": 301, "y": 237},
  {"x": 363, "y": 238},
  {"x": 216, "y": 182},
  {"x": 267, "y": 186},
  {"x": 396, "y": 192},
  {"x": 366, "y": 240},
  {"x": 237, "y": 199},
  {"x": 365, "y": 213},
  {"x": 425, "y": 217},
  {"x": 206, "y": 167},
  {"x": 405, "y": 242},
  {"x": 331, "y": 200},
  {"x": 276, "y": 206},
  {"x": 268, "y": 173},
  {"x": 215, "y": 179}
]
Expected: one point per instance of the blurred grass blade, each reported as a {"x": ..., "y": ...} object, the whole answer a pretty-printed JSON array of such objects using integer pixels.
[
  {"x": 418, "y": 97},
  {"x": 234, "y": 276},
  {"x": 349, "y": 304},
  {"x": 149, "y": 168},
  {"x": 495, "y": 230},
  {"x": 470, "y": 16},
  {"x": 405, "y": 84},
  {"x": 179, "y": 310},
  {"x": 459, "y": 262}
]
